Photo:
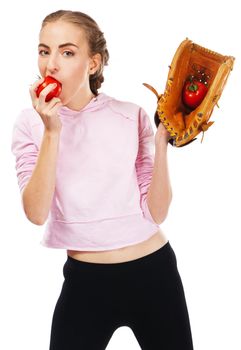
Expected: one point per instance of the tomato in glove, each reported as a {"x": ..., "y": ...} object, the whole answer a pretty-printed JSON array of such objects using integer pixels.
[
  {"x": 53, "y": 93},
  {"x": 193, "y": 93}
]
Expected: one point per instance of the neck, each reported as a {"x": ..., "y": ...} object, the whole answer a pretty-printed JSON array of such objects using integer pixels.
[{"x": 79, "y": 103}]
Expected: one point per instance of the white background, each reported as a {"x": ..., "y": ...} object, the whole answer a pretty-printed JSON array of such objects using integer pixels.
[{"x": 203, "y": 224}]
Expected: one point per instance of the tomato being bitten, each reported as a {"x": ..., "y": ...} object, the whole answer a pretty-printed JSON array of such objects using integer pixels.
[
  {"x": 53, "y": 93},
  {"x": 193, "y": 93}
]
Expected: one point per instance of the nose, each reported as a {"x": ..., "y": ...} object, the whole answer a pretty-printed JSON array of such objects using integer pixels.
[{"x": 52, "y": 64}]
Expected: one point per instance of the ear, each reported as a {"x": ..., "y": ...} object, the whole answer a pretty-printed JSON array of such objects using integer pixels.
[{"x": 95, "y": 63}]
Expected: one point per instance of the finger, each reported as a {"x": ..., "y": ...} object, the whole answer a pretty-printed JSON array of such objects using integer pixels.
[
  {"x": 45, "y": 92},
  {"x": 33, "y": 88},
  {"x": 53, "y": 102},
  {"x": 49, "y": 108},
  {"x": 56, "y": 107},
  {"x": 52, "y": 108}
]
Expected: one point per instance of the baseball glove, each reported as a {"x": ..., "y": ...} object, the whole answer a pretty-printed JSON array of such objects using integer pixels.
[{"x": 195, "y": 82}]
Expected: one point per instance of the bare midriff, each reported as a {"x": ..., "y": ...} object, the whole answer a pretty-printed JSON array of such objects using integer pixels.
[{"x": 156, "y": 241}]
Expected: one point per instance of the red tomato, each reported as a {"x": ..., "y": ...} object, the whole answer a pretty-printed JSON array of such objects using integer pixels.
[
  {"x": 193, "y": 93},
  {"x": 53, "y": 93}
]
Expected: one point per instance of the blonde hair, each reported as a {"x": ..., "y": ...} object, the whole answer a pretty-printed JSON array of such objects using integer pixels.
[{"x": 94, "y": 36}]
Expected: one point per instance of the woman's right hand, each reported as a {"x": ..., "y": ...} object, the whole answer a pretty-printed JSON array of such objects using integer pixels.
[{"x": 48, "y": 111}]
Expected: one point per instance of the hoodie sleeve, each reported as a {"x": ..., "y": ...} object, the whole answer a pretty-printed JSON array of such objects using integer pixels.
[
  {"x": 145, "y": 160},
  {"x": 24, "y": 150}
]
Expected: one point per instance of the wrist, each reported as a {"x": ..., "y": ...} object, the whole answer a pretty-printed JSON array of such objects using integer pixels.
[
  {"x": 161, "y": 145},
  {"x": 52, "y": 133}
]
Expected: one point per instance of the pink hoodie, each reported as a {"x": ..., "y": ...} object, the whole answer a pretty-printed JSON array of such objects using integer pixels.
[{"x": 104, "y": 169}]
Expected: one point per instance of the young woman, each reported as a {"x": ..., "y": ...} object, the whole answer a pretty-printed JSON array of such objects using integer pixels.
[{"x": 85, "y": 164}]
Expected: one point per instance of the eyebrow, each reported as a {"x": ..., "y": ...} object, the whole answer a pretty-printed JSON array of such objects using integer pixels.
[{"x": 60, "y": 46}]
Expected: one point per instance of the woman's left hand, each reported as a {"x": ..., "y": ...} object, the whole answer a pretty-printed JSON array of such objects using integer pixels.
[{"x": 161, "y": 134}]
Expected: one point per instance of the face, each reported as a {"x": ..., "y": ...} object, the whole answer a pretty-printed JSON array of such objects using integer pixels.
[{"x": 64, "y": 55}]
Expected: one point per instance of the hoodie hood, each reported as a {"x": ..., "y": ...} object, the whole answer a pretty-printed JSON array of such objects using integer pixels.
[{"x": 95, "y": 103}]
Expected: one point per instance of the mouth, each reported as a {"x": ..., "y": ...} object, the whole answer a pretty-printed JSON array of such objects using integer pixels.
[{"x": 54, "y": 78}]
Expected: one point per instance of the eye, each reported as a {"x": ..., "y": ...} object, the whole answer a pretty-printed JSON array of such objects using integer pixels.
[
  {"x": 68, "y": 53},
  {"x": 43, "y": 52}
]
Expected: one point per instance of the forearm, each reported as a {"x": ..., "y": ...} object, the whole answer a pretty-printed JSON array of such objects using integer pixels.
[
  {"x": 159, "y": 193},
  {"x": 38, "y": 193}
]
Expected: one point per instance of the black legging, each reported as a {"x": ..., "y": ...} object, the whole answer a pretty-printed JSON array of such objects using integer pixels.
[{"x": 145, "y": 294}]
